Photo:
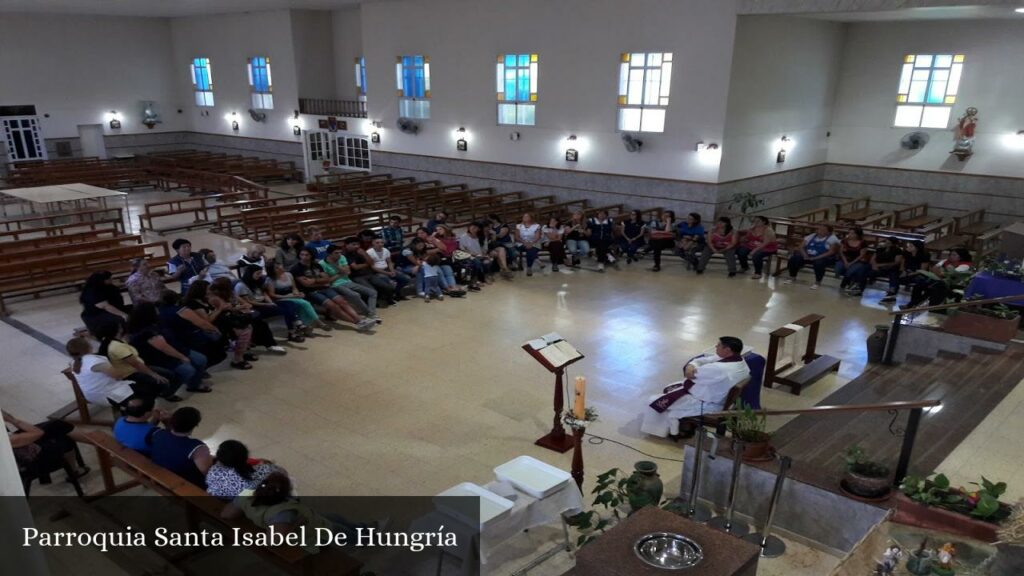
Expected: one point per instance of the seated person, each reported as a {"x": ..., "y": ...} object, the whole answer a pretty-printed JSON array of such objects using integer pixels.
[
  {"x": 138, "y": 421},
  {"x": 722, "y": 239},
  {"x": 709, "y": 377},
  {"x": 233, "y": 471},
  {"x": 361, "y": 270},
  {"x": 394, "y": 236},
  {"x": 316, "y": 285},
  {"x": 279, "y": 286},
  {"x": 932, "y": 286},
  {"x": 157, "y": 346},
  {"x": 216, "y": 269},
  {"x": 820, "y": 249},
  {"x": 94, "y": 375},
  {"x": 174, "y": 448},
  {"x": 439, "y": 219},
  {"x": 254, "y": 256},
  {"x": 632, "y": 239},
  {"x": 185, "y": 266},
  {"x": 144, "y": 285},
  {"x": 362, "y": 298},
  {"x": 758, "y": 244},
  {"x": 317, "y": 243},
  {"x": 127, "y": 364},
  {"x": 288, "y": 250},
  {"x": 380, "y": 258},
  {"x": 691, "y": 236},
  {"x": 250, "y": 290},
  {"x": 101, "y": 301},
  {"x": 40, "y": 449}
]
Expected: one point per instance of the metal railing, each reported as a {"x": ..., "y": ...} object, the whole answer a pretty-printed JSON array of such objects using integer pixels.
[
  {"x": 898, "y": 314},
  {"x": 331, "y": 107}
]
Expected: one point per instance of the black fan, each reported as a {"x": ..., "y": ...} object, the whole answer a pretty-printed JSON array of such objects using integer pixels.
[
  {"x": 408, "y": 126},
  {"x": 632, "y": 143},
  {"x": 257, "y": 116},
  {"x": 914, "y": 140}
]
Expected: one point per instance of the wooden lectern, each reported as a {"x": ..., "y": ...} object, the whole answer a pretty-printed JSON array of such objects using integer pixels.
[{"x": 555, "y": 353}]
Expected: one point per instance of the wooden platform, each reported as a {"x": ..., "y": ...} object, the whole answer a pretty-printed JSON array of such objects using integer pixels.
[{"x": 969, "y": 387}]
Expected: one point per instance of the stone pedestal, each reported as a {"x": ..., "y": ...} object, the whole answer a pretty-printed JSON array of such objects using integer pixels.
[{"x": 612, "y": 553}]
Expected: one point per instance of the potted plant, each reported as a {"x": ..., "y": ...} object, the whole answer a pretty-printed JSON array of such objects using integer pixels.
[
  {"x": 745, "y": 202},
  {"x": 751, "y": 428},
  {"x": 1010, "y": 547},
  {"x": 994, "y": 322},
  {"x": 933, "y": 503},
  {"x": 864, "y": 477}
]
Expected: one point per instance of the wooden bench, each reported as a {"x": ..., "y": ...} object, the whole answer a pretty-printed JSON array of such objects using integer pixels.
[
  {"x": 816, "y": 216},
  {"x": 80, "y": 406},
  {"x": 69, "y": 218},
  {"x": 62, "y": 230},
  {"x": 56, "y": 242},
  {"x": 200, "y": 507},
  {"x": 69, "y": 250},
  {"x": 973, "y": 224},
  {"x": 854, "y": 210},
  {"x": 942, "y": 237},
  {"x": 914, "y": 217},
  {"x": 879, "y": 221},
  {"x": 37, "y": 275}
]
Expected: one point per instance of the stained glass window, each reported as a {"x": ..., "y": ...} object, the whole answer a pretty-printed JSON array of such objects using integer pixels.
[
  {"x": 517, "y": 88},
  {"x": 412, "y": 76},
  {"x": 261, "y": 83},
  {"x": 361, "y": 77},
  {"x": 202, "y": 81},
  {"x": 927, "y": 90},
  {"x": 644, "y": 81}
]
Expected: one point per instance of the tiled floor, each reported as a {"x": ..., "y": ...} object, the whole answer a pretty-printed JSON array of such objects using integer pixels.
[{"x": 442, "y": 393}]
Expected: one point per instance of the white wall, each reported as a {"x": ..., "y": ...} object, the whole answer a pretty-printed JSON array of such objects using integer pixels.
[
  {"x": 579, "y": 42},
  {"x": 229, "y": 41},
  {"x": 993, "y": 82},
  {"x": 348, "y": 45},
  {"x": 79, "y": 68},
  {"x": 314, "y": 53},
  {"x": 784, "y": 75}
]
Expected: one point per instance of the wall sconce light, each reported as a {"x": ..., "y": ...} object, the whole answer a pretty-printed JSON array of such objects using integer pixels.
[
  {"x": 297, "y": 130},
  {"x": 702, "y": 147},
  {"x": 461, "y": 144},
  {"x": 234, "y": 125},
  {"x": 377, "y": 124},
  {"x": 780, "y": 157},
  {"x": 514, "y": 136},
  {"x": 571, "y": 153},
  {"x": 115, "y": 120},
  {"x": 375, "y": 137}
]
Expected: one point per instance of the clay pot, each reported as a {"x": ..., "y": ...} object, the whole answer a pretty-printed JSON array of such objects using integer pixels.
[
  {"x": 981, "y": 326},
  {"x": 916, "y": 514},
  {"x": 644, "y": 487},
  {"x": 757, "y": 451},
  {"x": 867, "y": 486}
]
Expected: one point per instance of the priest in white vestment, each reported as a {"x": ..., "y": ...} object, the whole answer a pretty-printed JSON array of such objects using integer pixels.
[{"x": 709, "y": 377}]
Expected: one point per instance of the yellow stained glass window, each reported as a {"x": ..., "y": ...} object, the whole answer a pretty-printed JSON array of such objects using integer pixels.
[
  {"x": 927, "y": 89},
  {"x": 644, "y": 82},
  {"x": 516, "y": 81}
]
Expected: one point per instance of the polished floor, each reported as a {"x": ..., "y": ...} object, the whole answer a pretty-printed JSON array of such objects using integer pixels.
[{"x": 441, "y": 393}]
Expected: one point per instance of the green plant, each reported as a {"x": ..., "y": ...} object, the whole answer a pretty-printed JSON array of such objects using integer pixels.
[
  {"x": 1001, "y": 311},
  {"x": 610, "y": 493},
  {"x": 936, "y": 491},
  {"x": 857, "y": 462},
  {"x": 745, "y": 202},
  {"x": 749, "y": 426}
]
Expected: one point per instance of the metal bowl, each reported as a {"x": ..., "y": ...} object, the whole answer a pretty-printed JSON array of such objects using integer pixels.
[{"x": 668, "y": 551}]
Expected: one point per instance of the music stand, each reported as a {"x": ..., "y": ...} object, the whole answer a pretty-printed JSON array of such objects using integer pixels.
[{"x": 555, "y": 353}]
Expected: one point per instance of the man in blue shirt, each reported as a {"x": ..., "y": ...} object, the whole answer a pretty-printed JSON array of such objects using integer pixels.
[
  {"x": 137, "y": 422},
  {"x": 185, "y": 266},
  {"x": 317, "y": 243},
  {"x": 691, "y": 238}
]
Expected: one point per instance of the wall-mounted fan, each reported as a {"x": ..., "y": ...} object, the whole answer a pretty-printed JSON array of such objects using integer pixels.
[
  {"x": 257, "y": 116},
  {"x": 632, "y": 143},
  {"x": 408, "y": 126},
  {"x": 914, "y": 141}
]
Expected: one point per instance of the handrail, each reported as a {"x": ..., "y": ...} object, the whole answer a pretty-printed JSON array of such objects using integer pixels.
[
  {"x": 910, "y": 405},
  {"x": 902, "y": 235},
  {"x": 961, "y": 304}
]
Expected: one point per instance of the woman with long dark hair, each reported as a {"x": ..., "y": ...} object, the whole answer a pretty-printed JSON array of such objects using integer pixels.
[
  {"x": 288, "y": 251},
  {"x": 251, "y": 291},
  {"x": 632, "y": 239},
  {"x": 758, "y": 244},
  {"x": 101, "y": 301},
  {"x": 157, "y": 346},
  {"x": 228, "y": 327},
  {"x": 222, "y": 291},
  {"x": 722, "y": 239},
  {"x": 662, "y": 235},
  {"x": 127, "y": 364},
  {"x": 234, "y": 471}
]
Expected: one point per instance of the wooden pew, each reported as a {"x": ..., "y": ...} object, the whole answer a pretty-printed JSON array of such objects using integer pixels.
[
  {"x": 46, "y": 243},
  {"x": 818, "y": 215},
  {"x": 942, "y": 237},
  {"x": 197, "y": 206},
  {"x": 70, "y": 218},
  {"x": 37, "y": 275},
  {"x": 62, "y": 230},
  {"x": 880, "y": 221},
  {"x": 914, "y": 217},
  {"x": 201, "y": 507},
  {"x": 854, "y": 210},
  {"x": 67, "y": 250},
  {"x": 973, "y": 224}
]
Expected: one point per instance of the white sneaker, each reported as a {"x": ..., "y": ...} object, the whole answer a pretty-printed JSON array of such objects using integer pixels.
[
  {"x": 365, "y": 324},
  {"x": 611, "y": 259},
  {"x": 815, "y": 286},
  {"x": 277, "y": 349},
  {"x": 600, "y": 267},
  {"x": 788, "y": 281}
]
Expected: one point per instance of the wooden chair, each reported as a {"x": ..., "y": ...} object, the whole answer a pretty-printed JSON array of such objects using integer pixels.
[{"x": 81, "y": 406}]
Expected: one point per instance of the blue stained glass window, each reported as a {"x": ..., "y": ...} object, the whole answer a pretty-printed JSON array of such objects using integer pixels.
[
  {"x": 517, "y": 88},
  {"x": 260, "y": 74},
  {"x": 413, "y": 74},
  {"x": 202, "y": 81}
]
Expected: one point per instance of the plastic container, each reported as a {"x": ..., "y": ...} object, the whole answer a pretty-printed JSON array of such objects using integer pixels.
[
  {"x": 492, "y": 506},
  {"x": 529, "y": 475}
]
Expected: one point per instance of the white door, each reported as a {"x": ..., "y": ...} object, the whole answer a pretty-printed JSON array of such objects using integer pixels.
[
  {"x": 91, "y": 137},
  {"x": 23, "y": 138},
  {"x": 317, "y": 155}
]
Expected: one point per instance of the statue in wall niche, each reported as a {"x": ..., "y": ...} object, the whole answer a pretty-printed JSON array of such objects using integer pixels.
[{"x": 963, "y": 134}]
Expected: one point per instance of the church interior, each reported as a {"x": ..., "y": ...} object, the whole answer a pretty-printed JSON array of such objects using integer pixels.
[{"x": 717, "y": 287}]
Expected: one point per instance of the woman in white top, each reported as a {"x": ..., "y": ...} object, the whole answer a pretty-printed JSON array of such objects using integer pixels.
[
  {"x": 92, "y": 372},
  {"x": 528, "y": 239}
]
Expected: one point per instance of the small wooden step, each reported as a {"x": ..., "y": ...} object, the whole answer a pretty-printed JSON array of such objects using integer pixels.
[{"x": 809, "y": 373}]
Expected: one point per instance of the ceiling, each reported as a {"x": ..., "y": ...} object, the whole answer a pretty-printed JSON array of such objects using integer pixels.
[
  {"x": 935, "y": 13},
  {"x": 166, "y": 8}
]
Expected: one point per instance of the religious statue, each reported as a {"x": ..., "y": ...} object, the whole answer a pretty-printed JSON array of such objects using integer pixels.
[
  {"x": 963, "y": 134},
  {"x": 890, "y": 560},
  {"x": 944, "y": 559}
]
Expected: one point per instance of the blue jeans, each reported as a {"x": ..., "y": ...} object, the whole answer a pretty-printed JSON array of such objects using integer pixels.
[
  {"x": 281, "y": 308},
  {"x": 577, "y": 248},
  {"x": 531, "y": 255},
  {"x": 191, "y": 373},
  {"x": 856, "y": 274},
  {"x": 797, "y": 261},
  {"x": 757, "y": 258}
]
